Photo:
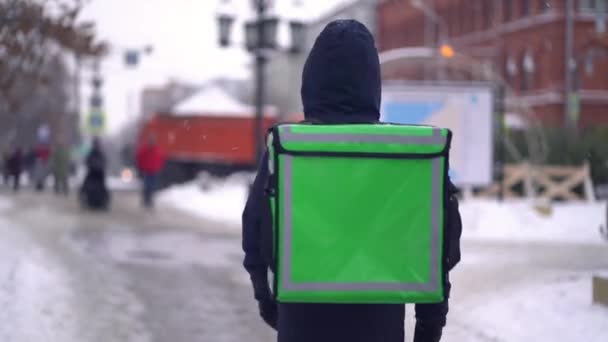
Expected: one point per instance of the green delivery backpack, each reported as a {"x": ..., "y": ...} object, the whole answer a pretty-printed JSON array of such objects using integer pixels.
[{"x": 358, "y": 212}]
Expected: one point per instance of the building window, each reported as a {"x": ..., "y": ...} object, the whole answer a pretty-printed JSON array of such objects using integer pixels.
[
  {"x": 507, "y": 10},
  {"x": 460, "y": 19},
  {"x": 468, "y": 17},
  {"x": 443, "y": 30},
  {"x": 487, "y": 14},
  {"x": 601, "y": 5},
  {"x": 586, "y": 5},
  {"x": 510, "y": 68},
  {"x": 592, "y": 6},
  {"x": 528, "y": 66},
  {"x": 546, "y": 5},
  {"x": 405, "y": 39},
  {"x": 477, "y": 17},
  {"x": 491, "y": 12},
  {"x": 525, "y": 8},
  {"x": 487, "y": 69},
  {"x": 452, "y": 22}
]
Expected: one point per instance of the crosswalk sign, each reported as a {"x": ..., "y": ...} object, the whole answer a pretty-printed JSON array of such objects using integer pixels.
[{"x": 96, "y": 121}]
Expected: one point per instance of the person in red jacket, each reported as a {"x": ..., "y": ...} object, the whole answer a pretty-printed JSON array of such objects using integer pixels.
[
  {"x": 41, "y": 168},
  {"x": 150, "y": 161}
]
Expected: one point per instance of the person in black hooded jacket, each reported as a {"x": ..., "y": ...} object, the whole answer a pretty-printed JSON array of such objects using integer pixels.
[
  {"x": 340, "y": 85},
  {"x": 94, "y": 192}
]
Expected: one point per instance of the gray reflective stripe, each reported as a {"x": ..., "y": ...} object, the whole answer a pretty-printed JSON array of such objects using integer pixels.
[
  {"x": 417, "y": 287},
  {"x": 288, "y": 136},
  {"x": 437, "y": 133},
  {"x": 287, "y": 233},
  {"x": 287, "y": 240},
  {"x": 436, "y": 206},
  {"x": 270, "y": 148}
]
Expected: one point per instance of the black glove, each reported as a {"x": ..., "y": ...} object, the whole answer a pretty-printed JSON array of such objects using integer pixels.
[
  {"x": 268, "y": 312},
  {"x": 426, "y": 332}
]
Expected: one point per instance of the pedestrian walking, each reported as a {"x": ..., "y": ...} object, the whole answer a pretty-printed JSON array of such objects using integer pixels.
[
  {"x": 94, "y": 192},
  {"x": 341, "y": 85},
  {"x": 150, "y": 162},
  {"x": 60, "y": 165},
  {"x": 15, "y": 166},
  {"x": 6, "y": 154},
  {"x": 41, "y": 165},
  {"x": 29, "y": 164}
]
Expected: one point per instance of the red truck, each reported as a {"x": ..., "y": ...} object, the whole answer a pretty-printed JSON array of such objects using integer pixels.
[{"x": 216, "y": 143}]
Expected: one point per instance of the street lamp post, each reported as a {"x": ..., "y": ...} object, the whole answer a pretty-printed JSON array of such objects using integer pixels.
[
  {"x": 261, "y": 26},
  {"x": 96, "y": 119},
  {"x": 432, "y": 26},
  {"x": 132, "y": 59},
  {"x": 260, "y": 39},
  {"x": 430, "y": 13},
  {"x": 570, "y": 96}
]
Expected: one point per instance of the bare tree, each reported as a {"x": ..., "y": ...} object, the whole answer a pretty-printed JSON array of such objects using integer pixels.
[{"x": 35, "y": 37}]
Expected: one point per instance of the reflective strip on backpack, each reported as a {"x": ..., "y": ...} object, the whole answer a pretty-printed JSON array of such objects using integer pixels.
[
  {"x": 287, "y": 135},
  {"x": 433, "y": 283}
]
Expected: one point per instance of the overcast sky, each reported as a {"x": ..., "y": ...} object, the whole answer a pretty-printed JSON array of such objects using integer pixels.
[{"x": 184, "y": 36}]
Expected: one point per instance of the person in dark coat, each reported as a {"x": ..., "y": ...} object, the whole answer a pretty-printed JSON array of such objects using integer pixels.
[
  {"x": 6, "y": 154},
  {"x": 29, "y": 163},
  {"x": 15, "y": 167},
  {"x": 340, "y": 85},
  {"x": 94, "y": 192}
]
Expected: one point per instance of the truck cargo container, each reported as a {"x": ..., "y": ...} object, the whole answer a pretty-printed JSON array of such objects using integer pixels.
[
  {"x": 209, "y": 131},
  {"x": 216, "y": 143}
]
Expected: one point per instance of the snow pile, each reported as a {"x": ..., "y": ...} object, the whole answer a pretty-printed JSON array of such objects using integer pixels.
[
  {"x": 212, "y": 101},
  {"x": 119, "y": 184},
  {"x": 223, "y": 200},
  {"x": 520, "y": 221},
  {"x": 220, "y": 200},
  {"x": 557, "y": 310}
]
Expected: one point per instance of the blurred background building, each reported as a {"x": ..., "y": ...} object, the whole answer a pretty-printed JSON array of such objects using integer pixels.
[
  {"x": 526, "y": 42},
  {"x": 162, "y": 98},
  {"x": 550, "y": 56}
]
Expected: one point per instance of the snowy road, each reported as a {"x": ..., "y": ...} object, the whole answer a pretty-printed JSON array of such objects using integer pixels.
[
  {"x": 531, "y": 292},
  {"x": 127, "y": 276},
  {"x": 166, "y": 276}
]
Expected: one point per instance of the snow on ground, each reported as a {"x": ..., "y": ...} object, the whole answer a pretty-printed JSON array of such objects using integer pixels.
[
  {"x": 5, "y": 203},
  {"x": 35, "y": 293},
  {"x": 559, "y": 309},
  {"x": 520, "y": 221},
  {"x": 224, "y": 200},
  {"x": 211, "y": 198},
  {"x": 158, "y": 248},
  {"x": 120, "y": 184}
]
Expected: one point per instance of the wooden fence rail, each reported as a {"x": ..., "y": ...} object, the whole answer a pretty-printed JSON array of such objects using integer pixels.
[{"x": 548, "y": 182}]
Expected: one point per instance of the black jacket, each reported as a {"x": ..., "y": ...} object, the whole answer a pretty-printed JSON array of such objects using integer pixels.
[
  {"x": 15, "y": 162},
  {"x": 340, "y": 84},
  {"x": 96, "y": 165}
]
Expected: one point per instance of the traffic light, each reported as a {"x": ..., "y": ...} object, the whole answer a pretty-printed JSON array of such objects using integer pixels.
[{"x": 447, "y": 51}]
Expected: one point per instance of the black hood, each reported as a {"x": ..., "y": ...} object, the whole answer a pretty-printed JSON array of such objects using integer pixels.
[{"x": 341, "y": 77}]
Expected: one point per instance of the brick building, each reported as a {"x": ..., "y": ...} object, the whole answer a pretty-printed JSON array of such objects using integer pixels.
[{"x": 523, "y": 41}]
